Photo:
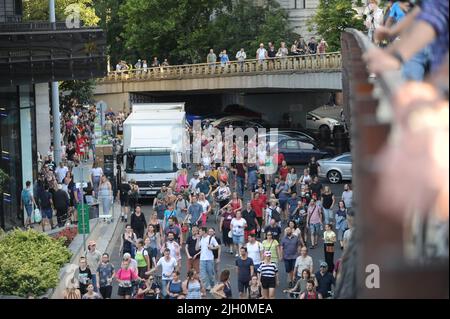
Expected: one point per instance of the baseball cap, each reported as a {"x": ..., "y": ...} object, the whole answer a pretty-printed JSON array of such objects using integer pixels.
[{"x": 323, "y": 264}]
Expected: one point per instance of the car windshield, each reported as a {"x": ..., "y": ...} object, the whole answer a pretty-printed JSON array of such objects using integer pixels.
[{"x": 149, "y": 163}]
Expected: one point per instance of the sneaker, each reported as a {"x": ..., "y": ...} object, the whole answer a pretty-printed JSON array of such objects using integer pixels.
[{"x": 312, "y": 247}]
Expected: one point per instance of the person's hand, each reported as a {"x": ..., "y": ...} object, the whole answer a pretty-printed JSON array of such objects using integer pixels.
[
  {"x": 382, "y": 33},
  {"x": 378, "y": 61}
]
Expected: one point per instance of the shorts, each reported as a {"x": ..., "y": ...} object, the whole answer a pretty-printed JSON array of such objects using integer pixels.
[
  {"x": 268, "y": 282},
  {"x": 256, "y": 267},
  {"x": 289, "y": 265},
  {"x": 243, "y": 285},
  {"x": 47, "y": 213},
  {"x": 124, "y": 201},
  {"x": 124, "y": 291},
  {"x": 238, "y": 240},
  {"x": 283, "y": 203},
  {"x": 29, "y": 210},
  {"x": 314, "y": 228}
]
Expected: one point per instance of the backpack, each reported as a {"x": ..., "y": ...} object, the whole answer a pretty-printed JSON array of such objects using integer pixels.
[
  {"x": 26, "y": 197},
  {"x": 275, "y": 214}
]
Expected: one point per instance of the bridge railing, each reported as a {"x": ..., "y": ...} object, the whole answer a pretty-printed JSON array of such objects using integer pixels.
[
  {"x": 302, "y": 63},
  {"x": 395, "y": 241}
]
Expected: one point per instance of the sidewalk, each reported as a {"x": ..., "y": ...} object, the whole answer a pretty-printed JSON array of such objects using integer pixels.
[{"x": 102, "y": 233}]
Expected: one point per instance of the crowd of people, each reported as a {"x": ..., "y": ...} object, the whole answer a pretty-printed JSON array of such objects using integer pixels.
[
  {"x": 55, "y": 191},
  {"x": 213, "y": 210},
  {"x": 298, "y": 48}
]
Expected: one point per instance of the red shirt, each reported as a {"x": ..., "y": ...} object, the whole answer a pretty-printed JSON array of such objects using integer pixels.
[
  {"x": 258, "y": 206},
  {"x": 284, "y": 171}
]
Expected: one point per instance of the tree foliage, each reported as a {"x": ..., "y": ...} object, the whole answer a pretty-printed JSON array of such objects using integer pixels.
[
  {"x": 332, "y": 17},
  {"x": 31, "y": 262},
  {"x": 34, "y": 10},
  {"x": 3, "y": 180},
  {"x": 184, "y": 30},
  {"x": 82, "y": 91},
  {"x": 108, "y": 12}
]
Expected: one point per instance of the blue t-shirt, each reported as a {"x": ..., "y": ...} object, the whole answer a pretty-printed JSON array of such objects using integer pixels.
[
  {"x": 292, "y": 204},
  {"x": 168, "y": 214},
  {"x": 396, "y": 12}
]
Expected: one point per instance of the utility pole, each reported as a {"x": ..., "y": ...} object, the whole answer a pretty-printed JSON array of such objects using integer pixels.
[{"x": 55, "y": 100}]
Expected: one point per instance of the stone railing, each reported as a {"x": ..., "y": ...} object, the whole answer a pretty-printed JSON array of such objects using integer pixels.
[{"x": 305, "y": 63}]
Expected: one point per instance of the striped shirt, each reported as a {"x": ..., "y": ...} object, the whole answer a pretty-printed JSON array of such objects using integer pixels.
[
  {"x": 435, "y": 13},
  {"x": 268, "y": 270}
]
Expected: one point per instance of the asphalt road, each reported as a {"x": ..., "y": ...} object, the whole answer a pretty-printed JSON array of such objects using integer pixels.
[{"x": 228, "y": 260}]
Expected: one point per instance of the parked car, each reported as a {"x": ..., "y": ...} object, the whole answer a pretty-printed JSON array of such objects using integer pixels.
[
  {"x": 235, "y": 122},
  {"x": 299, "y": 151},
  {"x": 282, "y": 135},
  {"x": 324, "y": 125},
  {"x": 336, "y": 169}
]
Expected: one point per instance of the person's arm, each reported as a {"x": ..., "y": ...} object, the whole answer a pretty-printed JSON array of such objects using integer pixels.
[
  {"x": 219, "y": 251},
  {"x": 218, "y": 290},
  {"x": 333, "y": 201},
  {"x": 147, "y": 259},
  {"x": 389, "y": 31},
  {"x": 279, "y": 251},
  {"x": 186, "y": 249}
]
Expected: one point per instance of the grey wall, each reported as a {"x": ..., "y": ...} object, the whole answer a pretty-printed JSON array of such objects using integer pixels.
[{"x": 43, "y": 118}]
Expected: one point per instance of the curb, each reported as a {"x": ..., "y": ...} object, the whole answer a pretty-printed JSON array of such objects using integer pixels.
[{"x": 98, "y": 232}]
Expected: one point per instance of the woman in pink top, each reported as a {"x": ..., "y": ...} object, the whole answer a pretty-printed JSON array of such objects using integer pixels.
[
  {"x": 182, "y": 180},
  {"x": 125, "y": 277}
]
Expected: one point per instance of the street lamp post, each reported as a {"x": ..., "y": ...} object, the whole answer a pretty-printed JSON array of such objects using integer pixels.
[{"x": 55, "y": 99}]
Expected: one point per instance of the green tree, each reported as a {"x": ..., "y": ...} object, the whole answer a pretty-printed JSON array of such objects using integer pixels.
[
  {"x": 246, "y": 25},
  {"x": 331, "y": 18},
  {"x": 82, "y": 91},
  {"x": 184, "y": 30},
  {"x": 31, "y": 262},
  {"x": 165, "y": 28},
  {"x": 34, "y": 10},
  {"x": 108, "y": 12}
]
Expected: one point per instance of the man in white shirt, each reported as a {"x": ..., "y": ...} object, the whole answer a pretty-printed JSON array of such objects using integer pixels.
[
  {"x": 193, "y": 182},
  {"x": 207, "y": 244},
  {"x": 168, "y": 266},
  {"x": 255, "y": 250},
  {"x": 261, "y": 53},
  {"x": 241, "y": 56},
  {"x": 303, "y": 262},
  {"x": 61, "y": 172}
]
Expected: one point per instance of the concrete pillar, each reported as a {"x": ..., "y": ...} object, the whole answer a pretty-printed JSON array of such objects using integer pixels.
[
  {"x": 43, "y": 118},
  {"x": 26, "y": 137}
]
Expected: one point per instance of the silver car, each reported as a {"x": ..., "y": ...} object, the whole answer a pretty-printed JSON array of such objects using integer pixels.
[
  {"x": 317, "y": 123},
  {"x": 336, "y": 169}
]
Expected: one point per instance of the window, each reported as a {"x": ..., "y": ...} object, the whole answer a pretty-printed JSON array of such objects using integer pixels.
[
  {"x": 292, "y": 144},
  {"x": 347, "y": 159},
  {"x": 299, "y": 4},
  {"x": 306, "y": 146},
  {"x": 155, "y": 163}
]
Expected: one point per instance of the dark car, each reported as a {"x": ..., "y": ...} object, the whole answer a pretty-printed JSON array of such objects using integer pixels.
[{"x": 299, "y": 151}]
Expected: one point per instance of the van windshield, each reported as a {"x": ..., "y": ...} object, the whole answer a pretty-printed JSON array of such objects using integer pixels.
[{"x": 149, "y": 163}]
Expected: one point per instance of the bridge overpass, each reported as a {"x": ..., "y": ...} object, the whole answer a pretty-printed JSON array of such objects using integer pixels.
[{"x": 308, "y": 73}]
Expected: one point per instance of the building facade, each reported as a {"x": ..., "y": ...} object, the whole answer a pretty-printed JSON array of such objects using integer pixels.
[{"x": 300, "y": 11}]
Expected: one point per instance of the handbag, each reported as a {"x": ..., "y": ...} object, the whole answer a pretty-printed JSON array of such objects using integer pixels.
[
  {"x": 37, "y": 215},
  {"x": 230, "y": 234},
  {"x": 329, "y": 249}
]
